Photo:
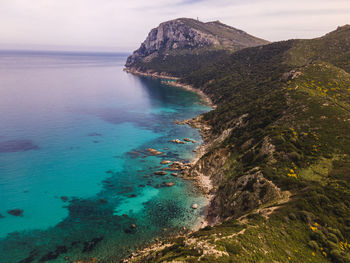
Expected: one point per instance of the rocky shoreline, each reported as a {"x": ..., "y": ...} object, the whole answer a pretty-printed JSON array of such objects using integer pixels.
[
  {"x": 201, "y": 181},
  {"x": 174, "y": 82}
]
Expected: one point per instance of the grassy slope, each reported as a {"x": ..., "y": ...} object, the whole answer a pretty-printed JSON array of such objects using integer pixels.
[
  {"x": 178, "y": 63},
  {"x": 307, "y": 119}
]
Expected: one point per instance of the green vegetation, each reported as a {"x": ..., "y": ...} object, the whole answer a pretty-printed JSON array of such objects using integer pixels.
[
  {"x": 179, "y": 64},
  {"x": 293, "y": 96}
]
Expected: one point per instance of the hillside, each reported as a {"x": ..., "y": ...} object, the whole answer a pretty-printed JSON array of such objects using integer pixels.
[
  {"x": 278, "y": 155},
  {"x": 175, "y": 45}
]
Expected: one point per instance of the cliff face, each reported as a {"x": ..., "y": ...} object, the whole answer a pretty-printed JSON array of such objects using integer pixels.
[{"x": 188, "y": 34}]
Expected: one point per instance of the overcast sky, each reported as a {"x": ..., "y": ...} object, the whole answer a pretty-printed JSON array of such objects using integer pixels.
[{"x": 121, "y": 25}]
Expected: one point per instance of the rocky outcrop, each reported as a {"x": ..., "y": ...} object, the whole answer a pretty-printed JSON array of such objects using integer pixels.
[
  {"x": 184, "y": 33},
  {"x": 241, "y": 195},
  {"x": 233, "y": 195}
]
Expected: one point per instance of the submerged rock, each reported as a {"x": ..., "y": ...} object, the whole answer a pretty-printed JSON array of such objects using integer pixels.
[
  {"x": 64, "y": 198},
  {"x": 131, "y": 229},
  {"x": 174, "y": 174},
  {"x": 177, "y": 141},
  {"x": 171, "y": 168},
  {"x": 90, "y": 245},
  {"x": 93, "y": 134},
  {"x": 15, "y": 212},
  {"x": 189, "y": 140},
  {"x": 168, "y": 184},
  {"x": 92, "y": 260},
  {"x": 154, "y": 151},
  {"x": 160, "y": 173},
  {"x": 54, "y": 254},
  {"x": 33, "y": 254},
  {"x": 134, "y": 154},
  {"x": 1, "y": 216},
  {"x": 102, "y": 201},
  {"x": 17, "y": 146}
]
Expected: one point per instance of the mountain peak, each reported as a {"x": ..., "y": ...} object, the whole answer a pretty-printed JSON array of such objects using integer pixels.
[{"x": 189, "y": 34}]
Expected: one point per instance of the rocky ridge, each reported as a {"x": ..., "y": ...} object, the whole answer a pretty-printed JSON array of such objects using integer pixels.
[{"x": 189, "y": 34}]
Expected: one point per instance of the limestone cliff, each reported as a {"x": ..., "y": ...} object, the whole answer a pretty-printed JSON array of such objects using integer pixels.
[{"x": 188, "y": 34}]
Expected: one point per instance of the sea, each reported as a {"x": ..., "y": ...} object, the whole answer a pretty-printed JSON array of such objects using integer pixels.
[{"x": 76, "y": 179}]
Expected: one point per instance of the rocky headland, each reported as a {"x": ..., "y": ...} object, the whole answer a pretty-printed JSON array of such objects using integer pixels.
[{"x": 275, "y": 159}]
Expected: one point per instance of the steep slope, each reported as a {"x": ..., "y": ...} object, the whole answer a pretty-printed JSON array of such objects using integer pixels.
[
  {"x": 184, "y": 37},
  {"x": 334, "y": 47},
  {"x": 281, "y": 172}
]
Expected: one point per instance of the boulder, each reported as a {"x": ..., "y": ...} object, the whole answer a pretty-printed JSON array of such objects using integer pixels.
[
  {"x": 194, "y": 206},
  {"x": 165, "y": 162}
]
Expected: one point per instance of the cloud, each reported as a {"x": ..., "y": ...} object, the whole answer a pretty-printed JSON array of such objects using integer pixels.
[{"x": 123, "y": 25}]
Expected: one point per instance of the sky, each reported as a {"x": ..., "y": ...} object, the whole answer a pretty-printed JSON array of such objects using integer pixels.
[{"x": 121, "y": 25}]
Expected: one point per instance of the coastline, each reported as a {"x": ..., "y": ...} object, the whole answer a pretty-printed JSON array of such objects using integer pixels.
[
  {"x": 174, "y": 83},
  {"x": 202, "y": 182}
]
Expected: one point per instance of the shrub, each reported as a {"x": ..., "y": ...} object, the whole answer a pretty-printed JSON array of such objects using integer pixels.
[{"x": 313, "y": 244}]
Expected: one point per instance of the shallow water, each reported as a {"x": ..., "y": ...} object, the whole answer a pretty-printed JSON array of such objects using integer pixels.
[{"x": 73, "y": 132}]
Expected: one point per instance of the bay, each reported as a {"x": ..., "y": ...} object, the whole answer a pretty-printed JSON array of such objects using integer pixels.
[{"x": 74, "y": 129}]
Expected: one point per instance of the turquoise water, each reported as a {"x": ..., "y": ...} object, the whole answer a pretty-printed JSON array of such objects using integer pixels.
[{"x": 73, "y": 132}]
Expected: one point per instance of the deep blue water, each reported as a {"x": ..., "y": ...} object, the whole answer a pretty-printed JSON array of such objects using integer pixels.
[{"x": 73, "y": 132}]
